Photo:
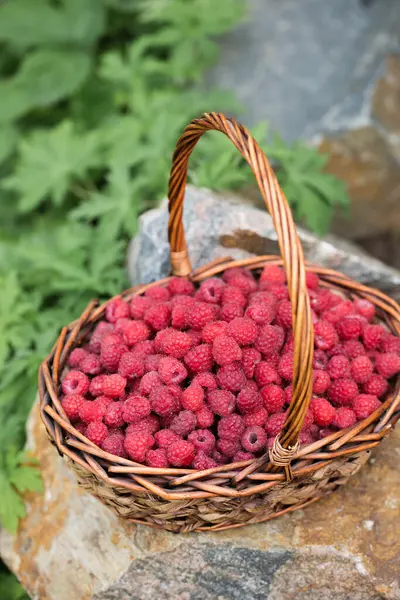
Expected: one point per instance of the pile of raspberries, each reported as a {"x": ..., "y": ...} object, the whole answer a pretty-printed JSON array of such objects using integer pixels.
[{"x": 197, "y": 377}]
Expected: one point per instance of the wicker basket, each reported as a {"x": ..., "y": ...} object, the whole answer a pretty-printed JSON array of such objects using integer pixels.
[{"x": 285, "y": 479}]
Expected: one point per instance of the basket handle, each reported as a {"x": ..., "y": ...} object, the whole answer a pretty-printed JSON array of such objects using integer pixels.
[{"x": 290, "y": 249}]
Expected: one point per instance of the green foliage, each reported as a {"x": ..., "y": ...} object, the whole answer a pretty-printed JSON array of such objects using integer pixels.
[{"x": 10, "y": 589}]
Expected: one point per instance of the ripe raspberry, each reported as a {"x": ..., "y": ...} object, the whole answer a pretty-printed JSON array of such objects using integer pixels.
[
  {"x": 113, "y": 416},
  {"x": 183, "y": 423},
  {"x": 250, "y": 358},
  {"x": 212, "y": 330},
  {"x": 270, "y": 339},
  {"x": 131, "y": 365},
  {"x": 113, "y": 385},
  {"x": 373, "y": 335},
  {"x": 344, "y": 417},
  {"x": 323, "y": 411},
  {"x": 211, "y": 290},
  {"x": 265, "y": 373},
  {"x": 144, "y": 348},
  {"x": 261, "y": 314},
  {"x": 81, "y": 427},
  {"x": 273, "y": 274},
  {"x": 361, "y": 369},
  {"x": 198, "y": 315},
  {"x": 308, "y": 421},
  {"x": 135, "y": 408},
  {"x": 114, "y": 444},
  {"x": 321, "y": 381},
  {"x": 364, "y": 405},
  {"x": 137, "y": 444},
  {"x": 353, "y": 348},
  {"x": 338, "y": 367},
  {"x": 181, "y": 300},
  {"x": 387, "y": 364},
  {"x": 152, "y": 361},
  {"x": 201, "y": 462},
  {"x": 254, "y": 439},
  {"x": 274, "y": 424},
  {"x": 199, "y": 359},
  {"x": 180, "y": 454},
  {"x": 256, "y": 418},
  {"x": 231, "y": 310},
  {"x": 233, "y": 272},
  {"x": 195, "y": 336},
  {"x": 158, "y": 316},
  {"x": 193, "y": 397},
  {"x": 204, "y": 417},
  {"x": 116, "y": 309},
  {"x": 117, "y": 431},
  {"x": 364, "y": 308},
  {"x": 337, "y": 350},
  {"x": 288, "y": 346},
  {"x": 75, "y": 382},
  {"x": 96, "y": 385},
  {"x": 179, "y": 316},
  {"x": 76, "y": 356},
  {"x": 110, "y": 355},
  {"x": 149, "y": 382},
  {"x": 231, "y": 427},
  {"x": 221, "y": 402},
  {"x": 286, "y": 366},
  {"x": 248, "y": 400},
  {"x": 102, "y": 328},
  {"x": 320, "y": 359},
  {"x": 231, "y": 294},
  {"x": 150, "y": 424},
  {"x": 90, "y": 365},
  {"x": 305, "y": 438},
  {"x": 138, "y": 306},
  {"x": 325, "y": 335},
  {"x": 226, "y": 350},
  {"x": 265, "y": 298},
  {"x": 376, "y": 385},
  {"x": 342, "y": 391},
  {"x": 163, "y": 402},
  {"x": 157, "y": 458},
  {"x": 246, "y": 284},
  {"x": 203, "y": 440},
  {"x": 284, "y": 314},
  {"x": 288, "y": 391},
  {"x": 206, "y": 380},
  {"x": 137, "y": 331},
  {"x": 171, "y": 370},
  {"x": 71, "y": 405},
  {"x": 231, "y": 377},
  {"x": 158, "y": 293},
  {"x": 390, "y": 343},
  {"x": 220, "y": 458},
  {"x": 278, "y": 290},
  {"x": 228, "y": 447},
  {"x": 180, "y": 286},
  {"x": 176, "y": 343},
  {"x": 243, "y": 330},
  {"x": 91, "y": 410},
  {"x": 273, "y": 398},
  {"x": 349, "y": 328},
  {"x": 96, "y": 432},
  {"x": 242, "y": 455},
  {"x": 312, "y": 280},
  {"x": 165, "y": 437}
]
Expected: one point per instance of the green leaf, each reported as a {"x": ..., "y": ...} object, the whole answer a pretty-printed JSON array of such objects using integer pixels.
[
  {"x": 8, "y": 141},
  {"x": 11, "y": 589}
]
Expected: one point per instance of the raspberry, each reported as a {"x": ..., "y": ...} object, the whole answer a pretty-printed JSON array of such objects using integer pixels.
[
  {"x": 244, "y": 283},
  {"x": 150, "y": 424},
  {"x": 233, "y": 272},
  {"x": 91, "y": 410},
  {"x": 261, "y": 314},
  {"x": 184, "y": 423},
  {"x": 349, "y": 328},
  {"x": 325, "y": 335},
  {"x": 256, "y": 418},
  {"x": 195, "y": 336},
  {"x": 193, "y": 397},
  {"x": 342, "y": 391},
  {"x": 279, "y": 291},
  {"x": 313, "y": 430},
  {"x": 312, "y": 280},
  {"x": 254, "y": 439},
  {"x": 376, "y": 385},
  {"x": 344, "y": 417},
  {"x": 113, "y": 385},
  {"x": 243, "y": 330},
  {"x": 288, "y": 391},
  {"x": 228, "y": 447},
  {"x": 114, "y": 444},
  {"x": 284, "y": 314},
  {"x": 354, "y": 348},
  {"x": 137, "y": 331},
  {"x": 286, "y": 366},
  {"x": 113, "y": 416},
  {"x": 99, "y": 332},
  {"x": 373, "y": 335},
  {"x": 250, "y": 358},
  {"x": 171, "y": 370},
  {"x": 81, "y": 427},
  {"x": 309, "y": 420},
  {"x": 202, "y": 439},
  {"x": 211, "y": 290},
  {"x": 305, "y": 438},
  {"x": 361, "y": 369},
  {"x": 163, "y": 402},
  {"x": 265, "y": 373},
  {"x": 136, "y": 408},
  {"x": 364, "y": 308},
  {"x": 242, "y": 455},
  {"x": 212, "y": 330},
  {"x": 390, "y": 343},
  {"x": 206, "y": 380},
  {"x": 137, "y": 444},
  {"x": 158, "y": 316},
  {"x": 157, "y": 458},
  {"x": 231, "y": 427},
  {"x": 273, "y": 274},
  {"x": 226, "y": 350},
  {"x": 202, "y": 462},
  {"x": 204, "y": 417},
  {"x": 181, "y": 300},
  {"x": 138, "y": 306},
  {"x": 270, "y": 339},
  {"x": 198, "y": 315},
  {"x": 249, "y": 400},
  {"x": 158, "y": 293},
  {"x": 75, "y": 382},
  {"x": 199, "y": 359},
  {"x": 320, "y": 360},
  {"x": 90, "y": 365},
  {"x": 323, "y": 411},
  {"x": 148, "y": 382},
  {"x": 274, "y": 424},
  {"x": 273, "y": 398},
  {"x": 337, "y": 350},
  {"x": 117, "y": 431},
  {"x": 265, "y": 298},
  {"x": 181, "y": 286},
  {"x": 338, "y": 367},
  {"x": 96, "y": 385},
  {"x": 179, "y": 317},
  {"x": 231, "y": 294},
  {"x": 152, "y": 362},
  {"x": 220, "y": 458},
  {"x": 231, "y": 377},
  {"x": 130, "y": 365},
  {"x": 364, "y": 405},
  {"x": 221, "y": 402},
  {"x": 71, "y": 405},
  {"x": 76, "y": 356},
  {"x": 110, "y": 354},
  {"x": 176, "y": 343},
  {"x": 321, "y": 381},
  {"x": 181, "y": 453},
  {"x": 165, "y": 437},
  {"x": 144, "y": 348},
  {"x": 96, "y": 432},
  {"x": 230, "y": 311},
  {"x": 387, "y": 364},
  {"x": 116, "y": 309}
]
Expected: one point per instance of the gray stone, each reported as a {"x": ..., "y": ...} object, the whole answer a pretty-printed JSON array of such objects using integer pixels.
[{"x": 217, "y": 226}]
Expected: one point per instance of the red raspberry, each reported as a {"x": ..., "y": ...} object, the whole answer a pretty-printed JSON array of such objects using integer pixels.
[
  {"x": 265, "y": 298},
  {"x": 231, "y": 377},
  {"x": 337, "y": 350},
  {"x": 137, "y": 331},
  {"x": 246, "y": 284},
  {"x": 135, "y": 408},
  {"x": 364, "y": 308},
  {"x": 75, "y": 382},
  {"x": 248, "y": 400},
  {"x": 150, "y": 424},
  {"x": 286, "y": 366},
  {"x": 325, "y": 335},
  {"x": 204, "y": 417},
  {"x": 340, "y": 311},
  {"x": 113, "y": 385},
  {"x": 195, "y": 336},
  {"x": 364, "y": 405},
  {"x": 90, "y": 365},
  {"x": 76, "y": 356},
  {"x": 206, "y": 380},
  {"x": 233, "y": 272},
  {"x": 183, "y": 423},
  {"x": 312, "y": 280},
  {"x": 349, "y": 328},
  {"x": 387, "y": 364},
  {"x": 144, "y": 348},
  {"x": 273, "y": 398},
  {"x": 279, "y": 291},
  {"x": 230, "y": 311},
  {"x": 284, "y": 314},
  {"x": 220, "y": 458},
  {"x": 180, "y": 454},
  {"x": 180, "y": 286},
  {"x": 212, "y": 330},
  {"x": 242, "y": 455},
  {"x": 163, "y": 402},
  {"x": 274, "y": 424},
  {"x": 179, "y": 316},
  {"x": 96, "y": 432},
  {"x": 96, "y": 385},
  {"x": 270, "y": 339},
  {"x": 202, "y": 439},
  {"x": 338, "y": 367},
  {"x": 265, "y": 373},
  {"x": 305, "y": 438},
  {"x": 171, "y": 370},
  {"x": 199, "y": 359},
  {"x": 308, "y": 421},
  {"x": 148, "y": 382},
  {"x": 137, "y": 444},
  {"x": 158, "y": 316},
  {"x": 181, "y": 300},
  {"x": 199, "y": 314},
  {"x": 71, "y": 405},
  {"x": 221, "y": 402},
  {"x": 320, "y": 359},
  {"x": 110, "y": 353},
  {"x": 373, "y": 335},
  {"x": 81, "y": 427},
  {"x": 261, "y": 314},
  {"x": 354, "y": 348},
  {"x": 193, "y": 397},
  {"x": 342, "y": 391},
  {"x": 114, "y": 444},
  {"x": 113, "y": 416},
  {"x": 202, "y": 462},
  {"x": 117, "y": 431},
  {"x": 376, "y": 385},
  {"x": 288, "y": 346},
  {"x": 390, "y": 343},
  {"x": 226, "y": 350},
  {"x": 165, "y": 437},
  {"x": 243, "y": 330},
  {"x": 288, "y": 391},
  {"x": 323, "y": 411},
  {"x": 231, "y": 427},
  {"x": 116, "y": 309},
  {"x": 157, "y": 458},
  {"x": 159, "y": 339},
  {"x": 131, "y": 365},
  {"x": 211, "y": 290},
  {"x": 138, "y": 306},
  {"x": 101, "y": 329},
  {"x": 361, "y": 369},
  {"x": 273, "y": 274},
  {"x": 256, "y": 418},
  {"x": 158, "y": 293},
  {"x": 92, "y": 410},
  {"x": 231, "y": 294},
  {"x": 176, "y": 343},
  {"x": 250, "y": 358},
  {"x": 254, "y": 439},
  {"x": 344, "y": 417},
  {"x": 321, "y": 381},
  {"x": 152, "y": 361},
  {"x": 228, "y": 447}
]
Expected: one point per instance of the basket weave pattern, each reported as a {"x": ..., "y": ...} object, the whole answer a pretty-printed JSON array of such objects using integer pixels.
[{"x": 251, "y": 491}]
